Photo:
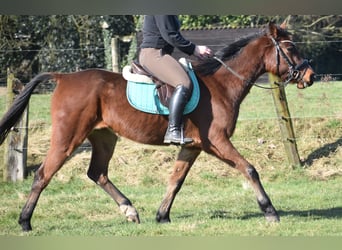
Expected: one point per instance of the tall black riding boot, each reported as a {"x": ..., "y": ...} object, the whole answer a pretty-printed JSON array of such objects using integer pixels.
[{"x": 178, "y": 100}]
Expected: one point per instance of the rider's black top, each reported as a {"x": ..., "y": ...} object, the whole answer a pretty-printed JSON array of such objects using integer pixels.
[{"x": 163, "y": 32}]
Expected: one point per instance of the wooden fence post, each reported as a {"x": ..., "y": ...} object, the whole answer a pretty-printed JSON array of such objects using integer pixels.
[
  {"x": 115, "y": 54},
  {"x": 107, "y": 45},
  {"x": 15, "y": 155},
  {"x": 285, "y": 122}
]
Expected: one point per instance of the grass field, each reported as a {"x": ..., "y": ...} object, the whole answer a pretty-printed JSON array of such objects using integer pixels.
[{"x": 215, "y": 200}]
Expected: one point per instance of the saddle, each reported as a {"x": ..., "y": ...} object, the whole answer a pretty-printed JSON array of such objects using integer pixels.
[
  {"x": 164, "y": 90},
  {"x": 147, "y": 93}
]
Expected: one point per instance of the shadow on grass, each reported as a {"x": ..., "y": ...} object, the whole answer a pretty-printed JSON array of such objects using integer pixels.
[
  {"x": 328, "y": 213},
  {"x": 324, "y": 151}
]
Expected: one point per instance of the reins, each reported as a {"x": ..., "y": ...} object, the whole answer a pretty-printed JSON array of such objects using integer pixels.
[
  {"x": 293, "y": 74},
  {"x": 242, "y": 78},
  {"x": 229, "y": 68}
]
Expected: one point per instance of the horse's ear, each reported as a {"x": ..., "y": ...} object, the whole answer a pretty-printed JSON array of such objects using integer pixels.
[
  {"x": 272, "y": 29},
  {"x": 284, "y": 24}
]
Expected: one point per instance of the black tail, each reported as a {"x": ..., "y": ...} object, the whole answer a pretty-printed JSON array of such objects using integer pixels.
[{"x": 19, "y": 105}]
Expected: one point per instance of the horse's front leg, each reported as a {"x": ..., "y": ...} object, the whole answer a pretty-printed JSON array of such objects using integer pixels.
[
  {"x": 185, "y": 160},
  {"x": 263, "y": 200},
  {"x": 230, "y": 155}
]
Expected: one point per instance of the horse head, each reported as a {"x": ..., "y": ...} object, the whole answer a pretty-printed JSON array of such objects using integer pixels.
[{"x": 290, "y": 66}]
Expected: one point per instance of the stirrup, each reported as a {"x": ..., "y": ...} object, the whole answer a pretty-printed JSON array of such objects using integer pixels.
[
  {"x": 176, "y": 137},
  {"x": 183, "y": 139}
]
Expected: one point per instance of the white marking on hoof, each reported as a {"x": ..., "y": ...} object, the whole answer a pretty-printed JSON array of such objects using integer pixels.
[{"x": 130, "y": 212}]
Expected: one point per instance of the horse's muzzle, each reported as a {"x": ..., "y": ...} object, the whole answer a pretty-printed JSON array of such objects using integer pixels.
[
  {"x": 306, "y": 83},
  {"x": 305, "y": 75}
]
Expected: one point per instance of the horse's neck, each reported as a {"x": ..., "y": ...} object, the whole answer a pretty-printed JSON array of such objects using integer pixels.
[
  {"x": 248, "y": 69},
  {"x": 249, "y": 64}
]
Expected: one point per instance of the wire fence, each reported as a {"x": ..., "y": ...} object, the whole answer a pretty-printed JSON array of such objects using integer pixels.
[
  {"x": 97, "y": 48},
  {"x": 321, "y": 101}
]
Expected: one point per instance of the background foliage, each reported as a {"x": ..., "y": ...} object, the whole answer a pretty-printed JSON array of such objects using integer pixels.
[
  {"x": 57, "y": 42},
  {"x": 320, "y": 37},
  {"x": 32, "y": 44}
]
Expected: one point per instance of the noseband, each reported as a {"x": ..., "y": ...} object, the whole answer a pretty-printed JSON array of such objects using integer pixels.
[{"x": 294, "y": 71}]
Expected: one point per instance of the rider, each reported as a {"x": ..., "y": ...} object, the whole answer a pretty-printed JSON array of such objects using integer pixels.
[{"x": 161, "y": 34}]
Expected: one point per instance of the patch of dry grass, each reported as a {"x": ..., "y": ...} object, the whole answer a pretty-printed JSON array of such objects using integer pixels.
[{"x": 141, "y": 164}]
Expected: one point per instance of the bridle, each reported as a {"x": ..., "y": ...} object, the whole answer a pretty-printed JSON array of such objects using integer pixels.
[{"x": 294, "y": 71}]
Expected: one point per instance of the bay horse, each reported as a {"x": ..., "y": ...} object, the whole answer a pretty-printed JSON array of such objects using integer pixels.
[{"x": 92, "y": 104}]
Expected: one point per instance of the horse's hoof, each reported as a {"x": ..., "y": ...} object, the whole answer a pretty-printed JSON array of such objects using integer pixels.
[
  {"x": 272, "y": 218},
  {"x": 131, "y": 213},
  {"x": 163, "y": 219},
  {"x": 133, "y": 218},
  {"x": 25, "y": 225},
  {"x": 270, "y": 213}
]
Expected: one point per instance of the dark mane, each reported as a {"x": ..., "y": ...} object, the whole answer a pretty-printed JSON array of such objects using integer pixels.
[{"x": 210, "y": 65}]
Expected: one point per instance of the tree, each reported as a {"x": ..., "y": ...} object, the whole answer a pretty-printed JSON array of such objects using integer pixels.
[
  {"x": 318, "y": 36},
  {"x": 32, "y": 44},
  {"x": 228, "y": 21}
]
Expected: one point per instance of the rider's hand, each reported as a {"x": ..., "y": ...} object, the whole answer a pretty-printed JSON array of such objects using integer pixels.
[{"x": 202, "y": 51}]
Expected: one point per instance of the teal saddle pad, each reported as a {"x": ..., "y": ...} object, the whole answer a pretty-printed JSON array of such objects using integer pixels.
[{"x": 144, "y": 96}]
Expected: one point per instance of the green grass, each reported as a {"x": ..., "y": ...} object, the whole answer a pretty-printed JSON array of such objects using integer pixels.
[
  {"x": 208, "y": 207},
  {"x": 214, "y": 199}
]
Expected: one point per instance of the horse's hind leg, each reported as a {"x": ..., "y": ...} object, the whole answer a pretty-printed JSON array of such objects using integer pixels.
[
  {"x": 185, "y": 160},
  {"x": 103, "y": 142},
  {"x": 52, "y": 163},
  {"x": 67, "y": 135}
]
